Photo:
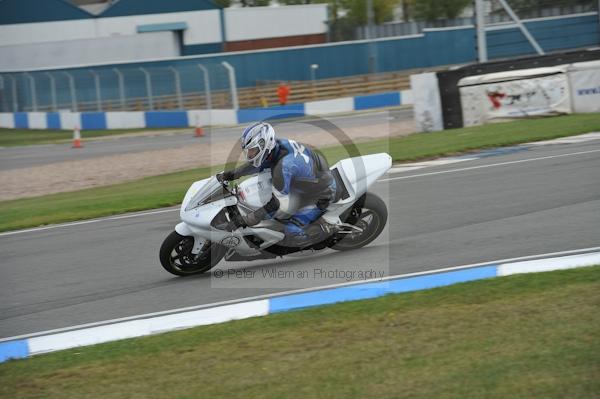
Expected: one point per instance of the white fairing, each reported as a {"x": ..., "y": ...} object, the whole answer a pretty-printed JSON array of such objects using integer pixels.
[
  {"x": 257, "y": 190},
  {"x": 360, "y": 173},
  {"x": 197, "y": 211}
]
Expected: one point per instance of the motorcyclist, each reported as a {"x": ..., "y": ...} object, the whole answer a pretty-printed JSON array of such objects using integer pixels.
[{"x": 296, "y": 170}]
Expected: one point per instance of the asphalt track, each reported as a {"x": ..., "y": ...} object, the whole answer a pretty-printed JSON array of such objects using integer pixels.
[
  {"x": 27, "y": 156},
  {"x": 525, "y": 201}
]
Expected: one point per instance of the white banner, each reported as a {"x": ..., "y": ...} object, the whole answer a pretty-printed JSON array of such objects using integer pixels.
[
  {"x": 427, "y": 103},
  {"x": 585, "y": 86},
  {"x": 548, "y": 95}
]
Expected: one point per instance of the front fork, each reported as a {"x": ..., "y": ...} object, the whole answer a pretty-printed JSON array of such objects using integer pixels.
[{"x": 184, "y": 230}]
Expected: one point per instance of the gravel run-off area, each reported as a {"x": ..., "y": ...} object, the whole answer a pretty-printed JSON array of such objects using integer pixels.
[{"x": 106, "y": 170}]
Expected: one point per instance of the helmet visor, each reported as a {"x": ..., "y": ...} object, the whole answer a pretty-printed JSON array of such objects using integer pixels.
[
  {"x": 251, "y": 153},
  {"x": 254, "y": 149}
]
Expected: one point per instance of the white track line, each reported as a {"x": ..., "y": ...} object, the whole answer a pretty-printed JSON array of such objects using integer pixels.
[
  {"x": 299, "y": 291},
  {"x": 36, "y": 229},
  {"x": 487, "y": 166},
  {"x": 56, "y": 226}
]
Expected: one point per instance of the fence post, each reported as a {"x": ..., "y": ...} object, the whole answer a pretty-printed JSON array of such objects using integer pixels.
[
  {"x": 72, "y": 89},
  {"x": 480, "y": 24},
  {"x": 232, "y": 84},
  {"x": 177, "y": 87},
  {"x": 32, "y": 88},
  {"x": 3, "y": 88},
  {"x": 52, "y": 90},
  {"x": 14, "y": 93},
  {"x": 97, "y": 84},
  {"x": 121, "y": 87},
  {"x": 148, "y": 88},
  {"x": 207, "y": 93}
]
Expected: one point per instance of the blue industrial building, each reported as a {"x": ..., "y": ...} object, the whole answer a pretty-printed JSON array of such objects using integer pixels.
[{"x": 435, "y": 47}]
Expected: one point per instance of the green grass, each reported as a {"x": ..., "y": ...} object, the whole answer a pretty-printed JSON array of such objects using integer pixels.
[
  {"x": 23, "y": 137},
  {"x": 459, "y": 141},
  {"x": 529, "y": 336},
  {"x": 165, "y": 190}
]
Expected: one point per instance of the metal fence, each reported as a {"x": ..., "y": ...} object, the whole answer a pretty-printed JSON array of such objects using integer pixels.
[
  {"x": 200, "y": 86},
  {"x": 391, "y": 29}
]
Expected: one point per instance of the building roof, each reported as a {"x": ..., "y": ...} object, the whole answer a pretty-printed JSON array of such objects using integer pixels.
[
  {"x": 136, "y": 7},
  {"x": 27, "y": 11}
]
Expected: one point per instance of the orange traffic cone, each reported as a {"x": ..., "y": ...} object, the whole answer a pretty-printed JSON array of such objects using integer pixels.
[
  {"x": 76, "y": 138},
  {"x": 199, "y": 132}
]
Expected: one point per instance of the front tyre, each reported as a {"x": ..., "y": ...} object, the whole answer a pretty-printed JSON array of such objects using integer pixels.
[
  {"x": 177, "y": 258},
  {"x": 371, "y": 216}
]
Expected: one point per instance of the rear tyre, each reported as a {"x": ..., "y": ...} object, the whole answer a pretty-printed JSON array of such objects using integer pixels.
[
  {"x": 371, "y": 216},
  {"x": 177, "y": 258}
]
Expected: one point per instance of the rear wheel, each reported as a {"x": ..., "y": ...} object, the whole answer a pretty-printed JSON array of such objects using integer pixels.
[
  {"x": 370, "y": 215},
  {"x": 177, "y": 258}
]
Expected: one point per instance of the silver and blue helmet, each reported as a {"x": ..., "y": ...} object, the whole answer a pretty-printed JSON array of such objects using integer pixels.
[{"x": 258, "y": 140}]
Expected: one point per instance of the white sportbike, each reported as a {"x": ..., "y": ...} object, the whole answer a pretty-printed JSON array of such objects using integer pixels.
[{"x": 212, "y": 226}]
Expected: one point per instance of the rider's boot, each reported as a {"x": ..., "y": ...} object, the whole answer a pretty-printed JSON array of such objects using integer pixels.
[{"x": 309, "y": 235}]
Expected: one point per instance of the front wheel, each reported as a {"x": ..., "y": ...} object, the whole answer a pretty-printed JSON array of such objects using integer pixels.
[
  {"x": 177, "y": 258},
  {"x": 370, "y": 215}
]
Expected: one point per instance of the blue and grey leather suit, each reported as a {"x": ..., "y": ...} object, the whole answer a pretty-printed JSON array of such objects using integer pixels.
[{"x": 296, "y": 170}]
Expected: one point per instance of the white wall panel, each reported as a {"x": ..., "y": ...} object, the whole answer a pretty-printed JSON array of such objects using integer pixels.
[
  {"x": 326, "y": 107},
  {"x": 43, "y": 32},
  {"x": 214, "y": 118},
  {"x": 406, "y": 97},
  {"x": 69, "y": 120},
  {"x": 250, "y": 23},
  {"x": 203, "y": 26},
  {"x": 125, "y": 120},
  {"x": 89, "y": 51},
  {"x": 7, "y": 120},
  {"x": 37, "y": 120}
]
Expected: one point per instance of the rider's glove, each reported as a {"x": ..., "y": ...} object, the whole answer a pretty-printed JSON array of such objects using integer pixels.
[{"x": 225, "y": 175}]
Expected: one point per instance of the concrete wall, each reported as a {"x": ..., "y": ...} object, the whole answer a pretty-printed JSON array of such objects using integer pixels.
[
  {"x": 89, "y": 51},
  {"x": 203, "y": 27},
  {"x": 204, "y": 33},
  {"x": 263, "y": 22}
]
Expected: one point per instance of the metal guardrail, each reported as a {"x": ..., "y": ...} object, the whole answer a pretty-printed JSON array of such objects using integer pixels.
[{"x": 263, "y": 94}]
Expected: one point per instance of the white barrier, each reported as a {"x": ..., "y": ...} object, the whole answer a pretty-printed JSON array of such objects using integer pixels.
[
  {"x": 125, "y": 120},
  {"x": 7, "y": 120},
  {"x": 514, "y": 94},
  {"x": 427, "y": 102},
  {"x": 37, "y": 120},
  {"x": 70, "y": 120},
  {"x": 213, "y": 117},
  {"x": 326, "y": 107},
  {"x": 584, "y": 78}
]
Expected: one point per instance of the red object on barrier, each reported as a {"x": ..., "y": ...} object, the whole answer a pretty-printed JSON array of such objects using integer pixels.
[{"x": 77, "y": 138}]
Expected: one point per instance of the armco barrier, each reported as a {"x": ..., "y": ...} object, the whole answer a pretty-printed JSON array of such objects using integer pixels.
[
  {"x": 191, "y": 118},
  {"x": 22, "y": 347}
]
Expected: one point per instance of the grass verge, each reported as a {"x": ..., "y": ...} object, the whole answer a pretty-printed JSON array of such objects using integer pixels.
[
  {"x": 24, "y": 137},
  {"x": 528, "y": 336},
  {"x": 166, "y": 190}
]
